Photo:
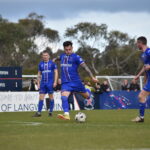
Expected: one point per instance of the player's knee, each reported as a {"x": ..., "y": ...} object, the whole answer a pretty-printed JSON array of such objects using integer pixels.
[
  {"x": 65, "y": 94},
  {"x": 87, "y": 95},
  {"x": 141, "y": 98},
  {"x": 51, "y": 96},
  {"x": 41, "y": 97}
]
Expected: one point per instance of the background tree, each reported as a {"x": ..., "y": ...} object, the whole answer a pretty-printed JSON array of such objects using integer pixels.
[
  {"x": 19, "y": 42},
  {"x": 89, "y": 37},
  {"x": 106, "y": 53}
]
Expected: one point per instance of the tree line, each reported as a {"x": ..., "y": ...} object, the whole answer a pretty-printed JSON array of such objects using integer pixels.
[{"x": 105, "y": 52}]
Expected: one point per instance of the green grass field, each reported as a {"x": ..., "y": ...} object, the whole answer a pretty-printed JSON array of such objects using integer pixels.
[{"x": 103, "y": 130}]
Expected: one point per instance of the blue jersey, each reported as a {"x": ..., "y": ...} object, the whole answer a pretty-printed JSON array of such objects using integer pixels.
[
  {"x": 47, "y": 71},
  {"x": 145, "y": 56},
  {"x": 69, "y": 67}
]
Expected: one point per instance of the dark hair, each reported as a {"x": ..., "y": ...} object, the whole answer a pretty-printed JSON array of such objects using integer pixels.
[
  {"x": 67, "y": 43},
  {"x": 45, "y": 51},
  {"x": 142, "y": 39}
]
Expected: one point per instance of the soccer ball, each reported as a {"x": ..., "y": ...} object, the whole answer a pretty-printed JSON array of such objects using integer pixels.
[{"x": 80, "y": 117}]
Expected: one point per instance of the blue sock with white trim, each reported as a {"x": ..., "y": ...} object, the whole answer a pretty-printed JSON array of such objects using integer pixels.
[
  {"x": 51, "y": 105},
  {"x": 65, "y": 104},
  {"x": 142, "y": 109},
  {"x": 40, "y": 105}
]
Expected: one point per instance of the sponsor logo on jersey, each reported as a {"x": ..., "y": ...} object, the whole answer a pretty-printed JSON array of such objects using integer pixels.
[
  {"x": 66, "y": 65},
  {"x": 46, "y": 71}
]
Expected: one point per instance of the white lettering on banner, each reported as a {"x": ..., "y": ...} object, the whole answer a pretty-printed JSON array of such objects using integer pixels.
[
  {"x": 25, "y": 101},
  {"x": 2, "y": 84},
  {"x": 3, "y": 72}
]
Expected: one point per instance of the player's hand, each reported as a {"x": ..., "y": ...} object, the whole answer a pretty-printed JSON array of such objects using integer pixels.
[
  {"x": 54, "y": 85},
  {"x": 95, "y": 80},
  {"x": 136, "y": 78},
  {"x": 147, "y": 67}
]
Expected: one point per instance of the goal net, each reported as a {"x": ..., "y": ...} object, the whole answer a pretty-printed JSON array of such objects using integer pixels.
[{"x": 115, "y": 82}]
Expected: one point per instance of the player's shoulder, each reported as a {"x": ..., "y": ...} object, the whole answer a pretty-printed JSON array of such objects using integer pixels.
[
  {"x": 61, "y": 55},
  {"x": 76, "y": 55},
  {"x": 148, "y": 51},
  {"x": 51, "y": 62},
  {"x": 41, "y": 62}
]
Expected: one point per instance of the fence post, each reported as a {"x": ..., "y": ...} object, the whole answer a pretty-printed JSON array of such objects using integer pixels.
[{"x": 141, "y": 83}]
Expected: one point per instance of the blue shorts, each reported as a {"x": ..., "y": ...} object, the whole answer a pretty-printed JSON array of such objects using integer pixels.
[
  {"x": 147, "y": 86},
  {"x": 75, "y": 86},
  {"x": 46, "y": 88}
]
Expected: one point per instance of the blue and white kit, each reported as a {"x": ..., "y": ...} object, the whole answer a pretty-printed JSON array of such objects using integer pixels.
[
  {"x": 145, "y": 56},
  {"x": 47, "y": 73}
]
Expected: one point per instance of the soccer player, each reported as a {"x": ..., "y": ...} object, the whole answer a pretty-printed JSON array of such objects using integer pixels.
[
  {"x": 145, "y": 56},
  {"x": 71, "y": 81},
  {"x": 47, "y": 80}
]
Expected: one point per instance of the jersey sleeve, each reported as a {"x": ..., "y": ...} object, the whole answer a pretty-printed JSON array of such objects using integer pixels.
[
  {"x": 148, "y": 52},
  {"x": 39, "y": 67},
  {"x": 54, "y": 66},
  {"x": 79, "y": 60}
]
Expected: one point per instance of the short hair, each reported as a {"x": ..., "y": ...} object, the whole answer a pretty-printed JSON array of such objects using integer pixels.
[
  {"x": 142, "y": 39},
  {"x": 45, "y": 51},
  {"x": 67, "y": 43}
]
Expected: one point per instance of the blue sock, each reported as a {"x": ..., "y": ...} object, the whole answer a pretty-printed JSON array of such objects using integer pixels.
[
  {"x": 40, "y": 105},
  {"x": 142, "y": 109},
  {"x": 51, "y": 105},
  {"x": 65, "y": 104}
]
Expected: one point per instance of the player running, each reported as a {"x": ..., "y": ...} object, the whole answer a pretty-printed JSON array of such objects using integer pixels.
[
  {"x": 47, "y": 80},
  {"x": 71, "y": 81},
  {"x": 145, "y": 56}
]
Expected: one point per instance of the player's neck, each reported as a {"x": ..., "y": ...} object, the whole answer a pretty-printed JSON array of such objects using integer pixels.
[
  {"x": 46, "y": 61},
  {"x": 69, "y": 54}
]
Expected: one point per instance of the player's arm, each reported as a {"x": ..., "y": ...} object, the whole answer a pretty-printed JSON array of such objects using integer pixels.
[
  {"x": 39, "y": 79},
  {"x": 147, "y": 67},
  {"x": 140, "y": 73},
  {"x": 86, "y": 68},
  {"x": 145, "y": 78},
  {"x": 55, "y": 77}
]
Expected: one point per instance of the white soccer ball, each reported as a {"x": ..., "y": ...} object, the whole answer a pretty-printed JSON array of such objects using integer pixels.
[{"x": 80, "y": 117}]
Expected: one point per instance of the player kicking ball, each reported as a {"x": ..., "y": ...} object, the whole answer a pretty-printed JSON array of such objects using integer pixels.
[
  {"x": 47, "y": 80},
  {"x": 71, "y": 82},
  {"x": 145, "y": 56}
]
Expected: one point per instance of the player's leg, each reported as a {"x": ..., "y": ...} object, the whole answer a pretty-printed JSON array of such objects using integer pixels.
[
  {"x": 42, "y": 93},
  {"x": 86, "y": 95},
  {"x": 142, "y": 104},
  {"x": 83, "y": 91},
  {"x": 65, "y": 92},
  {"x": 65, "y": 106},
  {"x": 51, "y": 104},
  {"x": 50, "y": 92},
  {"x": 40, "y": 105}
]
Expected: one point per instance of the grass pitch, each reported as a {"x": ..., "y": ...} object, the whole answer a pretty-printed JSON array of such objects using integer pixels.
[{"x": 103, "y": 130}]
